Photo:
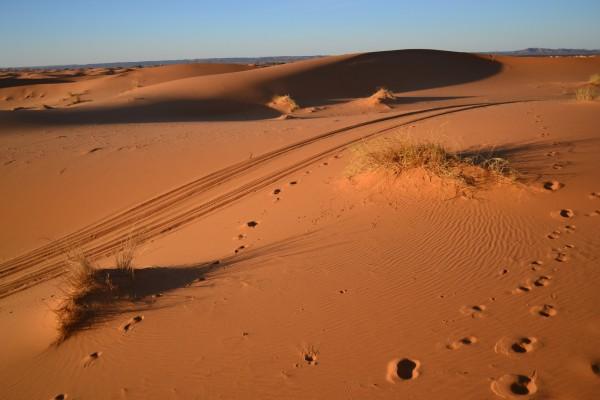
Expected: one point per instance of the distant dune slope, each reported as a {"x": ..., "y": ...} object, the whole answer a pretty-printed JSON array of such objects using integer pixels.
[
  {"x": 195, "y": 92},
  {"x": 56, "y": 88}
]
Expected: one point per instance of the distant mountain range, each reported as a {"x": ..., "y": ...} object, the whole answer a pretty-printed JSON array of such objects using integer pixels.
[
  {"x": 529, "y": 52},
  {"x": 544, "y": 52},
  {"x": 230, "y": 60}
]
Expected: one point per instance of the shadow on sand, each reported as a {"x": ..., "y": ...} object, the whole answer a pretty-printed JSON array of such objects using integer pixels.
[
  {"x": 532, "y": 160},
  {"x": 109, "y": 292},
  {"x": 354, "y": 77}
]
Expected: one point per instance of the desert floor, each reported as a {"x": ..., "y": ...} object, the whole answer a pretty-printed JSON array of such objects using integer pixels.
[{"x": 263, "y": 271}]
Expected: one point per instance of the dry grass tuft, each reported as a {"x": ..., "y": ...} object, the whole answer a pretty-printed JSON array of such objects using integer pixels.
[
  {"x": 586, "y": 93},
  {"x": 595, "y": 80},
  {"x": 124, "y": 257},
  {"x": 284, "y": 104},
  {"x": 397, "y": 155},
  {"x": 383, "y": 95},
  {"x": 79, "y": 306},
  {"x": 90, "y": 292}
]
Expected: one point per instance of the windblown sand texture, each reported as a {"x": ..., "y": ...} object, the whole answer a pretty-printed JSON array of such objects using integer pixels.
[{"x": 262, "y": 270}]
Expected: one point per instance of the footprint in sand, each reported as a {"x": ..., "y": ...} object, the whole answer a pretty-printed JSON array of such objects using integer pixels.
[
  {"x": 570, "y": 228},
  {"x": 513, "y": 386},
  {"x": 596, "y": 368},
  {"x": 524, "y": 345},
  {"x": 554, "y": 234},
  {"x": 595, "y": 195},
  {"x": 292, "y": 183},
  {"x": 553, "y": 185},
  {"x": 562, "y": 257},
  {"x": 251, "y": 224},
  {"x": 310, "y": 356},
  {"x": 240, "y": 248},
  {"x": 546, "y": 310},
  {"x": 523, "y": 288},
  {"x": 90, "y": 359},
  {"x": 594, "y": 213},
  {"x": 60, "y": 396},
  {"x": 404, "y": 369},
  {"x": 133, "y": 321},
  {"x": 536, "y": 265},
  {"x": 466, "y": 341},
  {"x": 566, "y": 213},
  {"x": 474, "y": 311},
  {"x": 542, "y": 281},
  {"x": 276, "y": 191},
  {"x": 515, "y": 347}
]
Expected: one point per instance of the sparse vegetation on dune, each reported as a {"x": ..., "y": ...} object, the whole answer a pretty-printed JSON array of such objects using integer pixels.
[
  {"x": 383, "y": 95},
  {"x": 91, "y": 292},
  {"x": 595, "y": 80},
  {"x": 285, "y": 104},
  {"x": 399, "y": 154},
  {"x": 124, "y": 258},
  {"x": 586, "y": 93}
]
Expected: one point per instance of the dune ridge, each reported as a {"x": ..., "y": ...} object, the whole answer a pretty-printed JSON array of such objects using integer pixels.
[{"x": 263, "y": 269}]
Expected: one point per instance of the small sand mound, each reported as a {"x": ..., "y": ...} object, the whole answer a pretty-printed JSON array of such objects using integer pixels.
[
  {"x": 284, "y": 104},
  {"x": 382, "y": 96},
  {"x": 398, "y": 155}
]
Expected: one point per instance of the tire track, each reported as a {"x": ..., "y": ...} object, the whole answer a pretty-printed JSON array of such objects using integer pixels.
[
  {"x": 177, "y": 195},
  {"x": 154, "y": 215}
]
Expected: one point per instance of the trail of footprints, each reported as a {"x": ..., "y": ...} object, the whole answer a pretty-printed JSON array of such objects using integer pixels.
[
  {"x": 277, "y": 193},
  {"x": 252, "y": 224},
  {"x": 510, "y": 386},
  {"x": 408, "y": 369}
]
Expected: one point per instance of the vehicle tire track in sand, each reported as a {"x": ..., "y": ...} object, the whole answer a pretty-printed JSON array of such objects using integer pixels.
[
  {"x": 176, "y": 195},
  {"x": 160, "y": 215}
]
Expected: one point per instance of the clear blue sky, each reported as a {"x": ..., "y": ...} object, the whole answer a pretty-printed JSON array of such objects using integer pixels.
[{"x": 45, "y": 32}]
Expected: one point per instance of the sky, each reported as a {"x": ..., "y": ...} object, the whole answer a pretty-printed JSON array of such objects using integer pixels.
[{"x": 55, "y": 32}]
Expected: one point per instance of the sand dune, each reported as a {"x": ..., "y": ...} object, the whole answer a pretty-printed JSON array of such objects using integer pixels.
[
  {"x": 61, "y": 89},
  {"x": 186, "y": 93},
  {"x": 265, "y": 269}
]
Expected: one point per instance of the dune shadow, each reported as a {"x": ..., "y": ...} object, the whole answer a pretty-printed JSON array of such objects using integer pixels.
[
  {"x": 12, "y": 81},
  {"x": 318, "y": 84},
  {"x": 397, "y": 70},
  {"x": 141, "y": 111}
]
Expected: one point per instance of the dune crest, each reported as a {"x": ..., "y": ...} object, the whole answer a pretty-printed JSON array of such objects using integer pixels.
[{"x": 398, "y": 224}]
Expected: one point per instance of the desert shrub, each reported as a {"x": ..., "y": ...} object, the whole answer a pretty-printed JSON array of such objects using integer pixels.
[
  {"x": 586, "y": 93},
  {"x": 90, "y": 292},
  {"x": 285, "y": 103},
  {"x": 383, "y": 95},
  {"x": 397, "y": 155},
  {"x": 124, "y": 257}
]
